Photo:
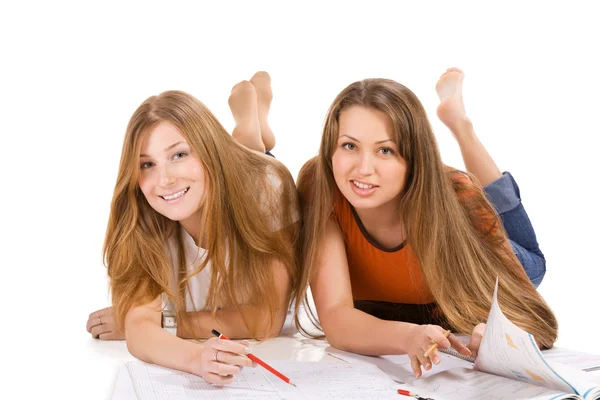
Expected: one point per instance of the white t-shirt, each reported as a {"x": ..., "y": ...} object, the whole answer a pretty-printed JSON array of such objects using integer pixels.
[{"x": 199, "y": 284}]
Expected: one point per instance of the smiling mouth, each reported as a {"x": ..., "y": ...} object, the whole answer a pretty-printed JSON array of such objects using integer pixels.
[
  {"x": 177, "y": 195},
  {"x": 363, "y": 185}
]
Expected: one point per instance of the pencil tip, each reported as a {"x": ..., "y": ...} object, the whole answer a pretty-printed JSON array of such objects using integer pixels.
[{"x": 292, "y": 384}]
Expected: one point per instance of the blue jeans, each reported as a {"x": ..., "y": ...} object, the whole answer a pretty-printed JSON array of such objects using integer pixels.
[{"x": 504, "y": 195}]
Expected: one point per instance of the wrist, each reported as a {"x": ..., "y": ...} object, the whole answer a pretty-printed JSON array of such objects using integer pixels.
[
  {"x": 195, "y": 355},
  {"x": 405, "y": 331}
]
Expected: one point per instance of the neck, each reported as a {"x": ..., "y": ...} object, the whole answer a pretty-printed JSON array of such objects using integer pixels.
[
  {"x": 385, "y": 216},
  {"x": 193, "y": 227}
]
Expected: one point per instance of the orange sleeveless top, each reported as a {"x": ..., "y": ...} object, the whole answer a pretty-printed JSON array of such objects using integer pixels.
[{"x": 390, "y": 275}]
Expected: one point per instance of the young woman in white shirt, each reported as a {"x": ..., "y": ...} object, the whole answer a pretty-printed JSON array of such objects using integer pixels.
[{"x": 203, "y": 224}]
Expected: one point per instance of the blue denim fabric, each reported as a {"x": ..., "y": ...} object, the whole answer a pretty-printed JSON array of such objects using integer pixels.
[{"x": 504, "y": 195}]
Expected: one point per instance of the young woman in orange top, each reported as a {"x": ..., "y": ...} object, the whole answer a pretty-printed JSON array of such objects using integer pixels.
[{"x": 396, "y": 246}]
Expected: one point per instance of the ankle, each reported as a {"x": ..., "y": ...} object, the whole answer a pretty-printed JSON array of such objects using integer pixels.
[{"x": 463, "y": 130}]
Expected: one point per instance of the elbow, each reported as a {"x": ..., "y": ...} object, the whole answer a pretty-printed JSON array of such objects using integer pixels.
[
  {"x": 135, "y": 349},
  {"x": 336, "y": 337},
  {"x": 338, "y": 341}
]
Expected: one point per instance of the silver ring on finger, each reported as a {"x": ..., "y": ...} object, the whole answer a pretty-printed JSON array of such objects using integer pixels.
[
  {"x": 215, "y": 355},
  {"x": 100, "y": 319}
]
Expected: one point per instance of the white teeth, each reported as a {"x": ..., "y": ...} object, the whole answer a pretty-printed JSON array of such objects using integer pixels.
[
  {"x": 175, "y": 195},
  {"x": 361, "y": 185}
]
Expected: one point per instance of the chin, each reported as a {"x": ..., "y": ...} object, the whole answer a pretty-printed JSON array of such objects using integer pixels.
[
  {"x": 359, "y": 203},
  {"x": 174, "y": 216}
]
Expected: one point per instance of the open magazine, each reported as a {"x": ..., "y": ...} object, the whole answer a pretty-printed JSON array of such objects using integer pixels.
[{"x": 509, "y": 366}]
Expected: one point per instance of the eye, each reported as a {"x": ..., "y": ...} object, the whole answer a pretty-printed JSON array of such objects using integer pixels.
[
  {"x": 386, "y": 151},
  {"x": 349, "y": 146},
  {"x": 179, "y": 154},
  {"x": 146, "y": 165}
]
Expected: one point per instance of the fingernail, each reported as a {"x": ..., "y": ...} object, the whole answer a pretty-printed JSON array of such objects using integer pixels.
[
  {"x": 436, "y": 361},
  {"x": 248, "y": 350},
  {"x": 418, "y": 374}
]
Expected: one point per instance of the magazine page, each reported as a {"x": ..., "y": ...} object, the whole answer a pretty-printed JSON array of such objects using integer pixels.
[{"x": 509, "y": 351}]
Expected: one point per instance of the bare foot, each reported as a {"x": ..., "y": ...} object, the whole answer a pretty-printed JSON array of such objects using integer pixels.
[
  {"x": 262, "y": 83},
  {"x": 451, "y": 110},
  {"x": 243, "y": 105}
]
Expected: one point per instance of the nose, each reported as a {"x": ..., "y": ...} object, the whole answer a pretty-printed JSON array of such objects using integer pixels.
[
  {"x": 166, "y": 176},
  {"x": 366, "y": 167}
]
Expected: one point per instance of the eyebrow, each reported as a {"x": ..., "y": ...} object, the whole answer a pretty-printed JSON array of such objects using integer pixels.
[
  {"x": 356, "y": 140},
  {"x": 167, "y": 149}
]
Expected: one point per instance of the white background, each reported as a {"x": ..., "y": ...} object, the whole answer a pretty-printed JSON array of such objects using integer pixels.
[{"x": 71, "y": 75}]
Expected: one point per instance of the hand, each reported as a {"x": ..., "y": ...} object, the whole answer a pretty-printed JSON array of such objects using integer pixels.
[
  {"x": 101, "y": 324},
  {"x": 421, "y": 339},
  {"x": 476, "y": 337},
  {"x": 222, "y": 359}
]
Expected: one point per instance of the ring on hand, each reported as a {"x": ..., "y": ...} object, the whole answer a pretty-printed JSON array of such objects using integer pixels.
[
  {"x": 215, "y": 354},
  {"x": 100, "y": 319}
]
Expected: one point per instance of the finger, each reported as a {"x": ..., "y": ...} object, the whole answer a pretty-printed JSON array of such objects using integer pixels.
[
  {"x": 424, "y": 360},
  {"x": 99, "y": 330},
  {"x": 416, "y": 366},
  {"x": 459, "y": 346},
  {"x": 217, "y": 379},
  {"x": 233, "y": 359},
  {"x": 437, "y": 336},
  {"x": 113, "y": 333},
  {"x": 108, "y": 311},
  {"x": 92, "y": 322},
  {"x": 223, "y": 369},
  {"x": 476, "y": 338},
  {"x": 110, "y": 336},
  {"x": 434, "y": 356},
  {"x": 231, "y": 346}
]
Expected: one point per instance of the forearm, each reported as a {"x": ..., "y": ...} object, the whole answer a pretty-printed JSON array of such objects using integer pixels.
[
  {"x": 476, "y": 158},
  {"x": 147, "y": 341},
  {"x": 349, "y": 329},
  {"x": 229, "y": 321}
]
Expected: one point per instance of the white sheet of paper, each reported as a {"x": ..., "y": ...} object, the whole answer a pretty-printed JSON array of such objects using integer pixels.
[
  {"x": 398, "y": 367},
  {"x": 468, "y": 384},
  {"x": 313, "y": 380},
  {"x": 576, "y": 359}
]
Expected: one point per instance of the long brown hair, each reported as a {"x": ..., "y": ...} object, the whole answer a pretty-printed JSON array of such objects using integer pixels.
[
  {"x": 459, "y": 259},
  {"x": 241, "y": 241}
]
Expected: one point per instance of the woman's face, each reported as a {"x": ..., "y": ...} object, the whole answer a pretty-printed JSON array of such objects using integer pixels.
[
  {"x": 171, "y": 177},
  {"x": 367, "y": 166}
]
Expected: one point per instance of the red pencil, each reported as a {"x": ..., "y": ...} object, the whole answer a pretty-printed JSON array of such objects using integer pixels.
[
  {"x": 411, "y": 394},
  {"x": 258, "y": 361}
]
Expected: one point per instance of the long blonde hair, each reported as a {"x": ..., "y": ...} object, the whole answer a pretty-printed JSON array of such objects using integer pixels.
[
  {"x": 460, "y": 261},
  {"x": 241, "y": 241}
]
